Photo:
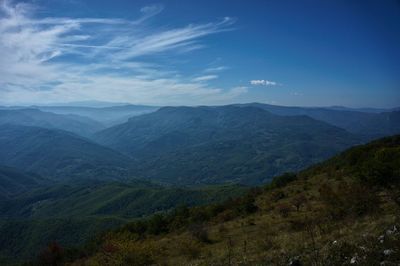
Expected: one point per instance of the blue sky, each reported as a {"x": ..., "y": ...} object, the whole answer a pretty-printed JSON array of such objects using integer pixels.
[{"x": 305, "y": 53}]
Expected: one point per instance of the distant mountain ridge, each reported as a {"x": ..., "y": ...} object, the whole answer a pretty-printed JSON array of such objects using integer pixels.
[
  {"x": 189, "y": 145},
  {"x": 369, "y": 125},
  {"x": 108, "y": 115},
  {"x": 33, "y": 117},
  {"x": 58, "y": 154}
]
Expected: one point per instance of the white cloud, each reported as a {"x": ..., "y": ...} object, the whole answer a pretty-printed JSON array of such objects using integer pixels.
[
  {"x": 206, "y": 78},
  {"x": 263, "y": 82},
  {"x": 216, "y": 69},
  {"x": 74, "y": 59}
]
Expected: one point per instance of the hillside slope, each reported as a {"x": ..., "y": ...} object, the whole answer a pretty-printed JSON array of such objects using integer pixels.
[
  {"x": 58, "y": 154},
  {"x": 72, "y": 214},
  {"x": 188, "y": 145},
  {"x": 125, "y": 200},
  {"x": 341, "y": 212}
]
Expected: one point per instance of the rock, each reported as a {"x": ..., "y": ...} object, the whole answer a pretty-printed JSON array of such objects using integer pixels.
[
  {"x": 387, "y": 252},
  {"x": 391, "y": 231},
  {"x": 295, "y": 262}
]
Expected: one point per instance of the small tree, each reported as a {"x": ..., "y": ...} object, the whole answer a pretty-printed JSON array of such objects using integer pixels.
[{"x": 298, "y": 201}]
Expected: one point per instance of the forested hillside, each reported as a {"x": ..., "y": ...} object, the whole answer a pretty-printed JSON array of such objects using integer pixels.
[
  {"x": 340, "y": 212},
  {"x": 73, "y": 213}
]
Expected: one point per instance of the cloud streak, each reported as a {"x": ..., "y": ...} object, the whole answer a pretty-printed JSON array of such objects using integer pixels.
[
  {"x": 62, "y": 59},
  {"x": 263, "y": 82},
  {"x": 205, "y": 78}
]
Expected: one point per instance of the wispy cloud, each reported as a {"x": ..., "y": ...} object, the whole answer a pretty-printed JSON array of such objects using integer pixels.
[
  {"x": 263, "y": 82},
  {"x": 55, "y": 59},
  {"x": 206, "y": 78},
  {"x": 216, "y": 69}
]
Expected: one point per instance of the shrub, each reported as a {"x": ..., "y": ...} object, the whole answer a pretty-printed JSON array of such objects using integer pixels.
[
  {"x": 349, "y": 199},
  {"x": 277, "y": 195},
  {"x": 157, "y": 224},
  {"x": 298, "y": 201},
  {"x": 52, "y": 255},
  {"x": 199, "y": 232},
  {"x": 189, "y": 249},
  {"x": 284, "y": 209},
  {"x": 282, "y": 180},
  {"x": 246, "y": 205},
  {"x": 138, "y": 257}
]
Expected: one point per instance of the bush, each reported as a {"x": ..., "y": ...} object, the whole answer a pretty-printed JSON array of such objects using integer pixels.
[
  {"x": 282, "y": 180},
  {"x": 52, "y": 255},
  {"x": 199, "y": 232},
  {"x": 189, "y": 249},
  {"x": 349, "y": 199},
  {"x": 298, "y": 201},
  {"x": 277, "y": 195},
  {"x": 246, "y": 205},
  {"x": 138, "y": 258},
  {"x": 157, "y": 224},
  {"x": 284, "y": 209}
]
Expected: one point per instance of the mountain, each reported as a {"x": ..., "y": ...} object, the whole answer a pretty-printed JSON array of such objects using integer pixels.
[
  {"x": 58, "y": 154},
  {"x": 329, "y": 214},
  {"x": 191, "y": 145},
  {"x": 108, "y": 116},
  {"x": 33, "y": 117},
  {"x": 14, "y": 182},
  {"x": 369, "y": 125},
  {"x": 362, "y": 109}
]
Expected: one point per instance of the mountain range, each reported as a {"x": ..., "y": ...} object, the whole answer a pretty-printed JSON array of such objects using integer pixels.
[
  {"x": 68, "y": 173},
  {"x": 367, "y": 123},
  {"x": 184, "y": 145},
  {"x": 190, "y": 145},
  {"x": 107, "y": 115}
]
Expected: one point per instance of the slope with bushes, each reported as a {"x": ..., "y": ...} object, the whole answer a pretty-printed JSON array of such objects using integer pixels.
[
  {"x": 343, "y": 211},
  {"x": 73, "y": 213}
]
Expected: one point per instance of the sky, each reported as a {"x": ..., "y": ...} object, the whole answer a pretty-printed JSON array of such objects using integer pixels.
[{"x": 303, "y": 53}]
